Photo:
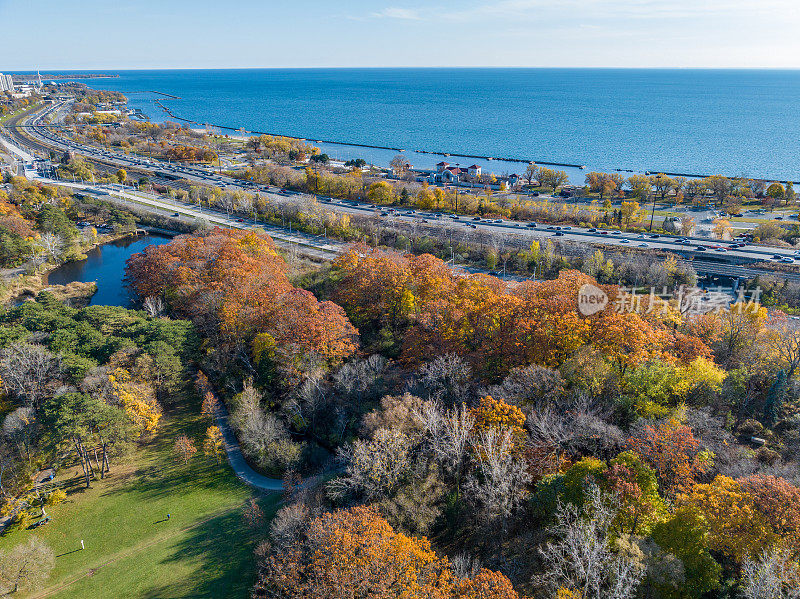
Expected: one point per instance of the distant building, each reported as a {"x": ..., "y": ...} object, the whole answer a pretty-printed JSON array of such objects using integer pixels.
[
  {"x": 471, "y": 176},
  {"x": 6, "y": 83},
  {"x": 451, "y": 174}
]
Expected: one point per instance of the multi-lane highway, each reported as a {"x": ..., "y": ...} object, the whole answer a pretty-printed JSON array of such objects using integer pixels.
[{"x": 718, "y": 257}]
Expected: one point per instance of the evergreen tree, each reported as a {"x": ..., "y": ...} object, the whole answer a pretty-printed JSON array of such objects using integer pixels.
[{"x": 775, "y": 397}]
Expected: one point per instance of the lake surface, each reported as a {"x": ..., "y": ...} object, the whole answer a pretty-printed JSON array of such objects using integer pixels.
[
  {"x": 105, "y": 265},
  {"x": 733, "y": 122}
]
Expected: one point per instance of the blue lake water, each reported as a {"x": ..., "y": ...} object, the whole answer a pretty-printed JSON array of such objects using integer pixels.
[
  {"x": 734, "y": 122},
  {"x": 105, "y": 265}
]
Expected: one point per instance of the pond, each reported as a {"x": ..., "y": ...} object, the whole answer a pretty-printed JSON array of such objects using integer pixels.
[{"x": 105, "y": 265}]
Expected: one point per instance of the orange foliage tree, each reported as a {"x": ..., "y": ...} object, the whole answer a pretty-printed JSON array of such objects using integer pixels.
[
  {"x": 779, "y": 501},
  {"x": 356, "y": 553},
  {"x": 495, "y": 324},
  {"x": 672, "y": 451},
  {"x": 234, "y": 284}
]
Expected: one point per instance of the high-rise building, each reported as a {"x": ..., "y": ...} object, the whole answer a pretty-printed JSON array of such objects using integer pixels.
[{"x": 6, "y": 83}]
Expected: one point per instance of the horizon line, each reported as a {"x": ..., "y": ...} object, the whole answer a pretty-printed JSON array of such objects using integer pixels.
[{"x": 428, "y": 67}]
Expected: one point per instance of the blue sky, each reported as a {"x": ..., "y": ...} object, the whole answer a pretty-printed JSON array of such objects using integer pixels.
[{"x": 119, "y": 34}]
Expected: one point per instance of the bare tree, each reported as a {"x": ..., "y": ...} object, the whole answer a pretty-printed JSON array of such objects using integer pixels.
[
  {"x": 446, "y": 379},
  {"x": 25, "y": 567},
  {"x": 53, "y": 245},
  {"x": 19, "y": 428},
  {"x": 449, "y": 436},
  {"x": 375, "y": 468},
  {"x": 532, "y": 384},
  {"x": 362, "y": 380},
  {"x": 581, "y": 558},
  {"x": 772, "y": 576},
  {"x": 498, "y": 485},
  {"x": 28, "y": 371},
  {"x": 288, "y": 524},
  {"x": 154, "y": 306}
]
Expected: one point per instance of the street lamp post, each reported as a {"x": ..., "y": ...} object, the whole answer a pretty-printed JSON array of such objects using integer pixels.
[
  {"x": 456, "y": 184},
  {"x": 653, "y": 211}
]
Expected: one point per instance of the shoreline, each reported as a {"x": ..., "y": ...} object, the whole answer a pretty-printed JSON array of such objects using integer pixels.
[
  {"x": 581, "y": 167},
  {"x": 510, "y": 160}
]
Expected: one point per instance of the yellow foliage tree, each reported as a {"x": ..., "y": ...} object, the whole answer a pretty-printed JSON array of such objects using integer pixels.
[
  {"x": 735, "y": 527},
  {"x": 143, "y": 411},
  {"x": 213, "y": 444}
]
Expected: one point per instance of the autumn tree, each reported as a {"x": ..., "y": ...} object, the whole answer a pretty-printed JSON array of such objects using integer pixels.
[
  {"x": 641, "y": 186},
  {"x": 662, "y": 184},
  {"x": 213, "y": 445},
  {"x": 184, "y": 449},
  {"x": 530, "y": 172},
  {"x": 252, "y": 294},
  {"x": 735, "y": 526},
  {"x": 354, "y": 553},
  {"x": 671, "y": 449},
  {"x": 605, "y": 184},
  {"x": 552, "y": 178},
  {"x": 779, "y": 502}
]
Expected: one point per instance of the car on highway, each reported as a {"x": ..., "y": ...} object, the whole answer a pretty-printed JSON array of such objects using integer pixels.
[
  {"x": 700, "y": 248},
  {"x": 721, "y": 250},
  {"x": 532, "y": 225},
  {"x": 654, "y": 236},
  {"x": 592, "y": 230},
  {"x": 239, "y": 220},
  {"x": 777, "y": 256},
  {"x": 567, "y": 228},
  {"x": 616, "y": 232},
  {"x": 644, "y": 245},
  {"x": 624, "y": 240},
  {"x": 476, "y": 218},
  {"x": 603, "y": 232},
  {"x": 787, "y": 260},
  {"x": 176, "y": 215},
  {"x": 558, "y": 234}
]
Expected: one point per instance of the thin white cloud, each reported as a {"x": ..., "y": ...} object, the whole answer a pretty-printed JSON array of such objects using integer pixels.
[
  {"x": 578, "y": 10},
  {"x": 403, "y": 14}
]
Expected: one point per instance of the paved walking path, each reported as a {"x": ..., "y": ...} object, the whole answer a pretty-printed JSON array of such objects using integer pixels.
[{"x": 235, "y": 457}]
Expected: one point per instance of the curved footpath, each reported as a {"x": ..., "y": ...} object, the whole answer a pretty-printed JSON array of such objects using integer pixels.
[{"x": 235, "y": 457}]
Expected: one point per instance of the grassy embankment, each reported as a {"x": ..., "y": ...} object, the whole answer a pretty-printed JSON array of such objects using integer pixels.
[{"x": 203, "y": 550}]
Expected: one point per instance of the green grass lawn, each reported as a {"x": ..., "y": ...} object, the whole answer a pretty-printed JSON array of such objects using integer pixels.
[
  {"x": 19, "y": 111},
  {"x": 203, "y": 550}
]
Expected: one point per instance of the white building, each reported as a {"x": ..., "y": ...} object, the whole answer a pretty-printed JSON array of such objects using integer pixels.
[{"x": 6, "y": 83}]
